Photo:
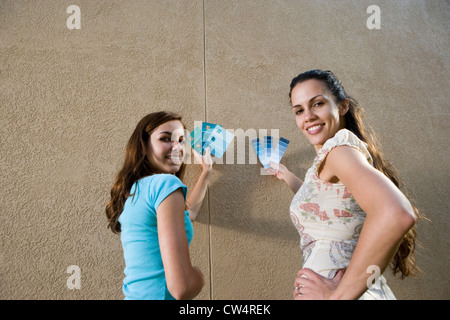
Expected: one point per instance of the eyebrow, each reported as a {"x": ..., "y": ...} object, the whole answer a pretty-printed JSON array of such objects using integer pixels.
[
  {"x": 299, "y": 105},
  {"x": 169, "y": 133}
]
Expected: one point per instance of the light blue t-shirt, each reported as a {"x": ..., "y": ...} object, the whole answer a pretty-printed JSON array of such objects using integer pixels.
[{"x": 144, "y": 271}]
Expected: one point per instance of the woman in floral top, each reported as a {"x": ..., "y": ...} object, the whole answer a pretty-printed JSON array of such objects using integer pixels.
[{"x": 352, "y": 218}]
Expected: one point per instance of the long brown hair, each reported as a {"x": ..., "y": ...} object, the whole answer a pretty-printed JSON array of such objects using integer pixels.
[
  {"x": 404, "y": 259},
  {"x": 136, "y": 164}
]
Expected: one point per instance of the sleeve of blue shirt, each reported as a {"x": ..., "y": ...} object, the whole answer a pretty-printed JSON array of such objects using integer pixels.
[{"x": 162, "y": 186}]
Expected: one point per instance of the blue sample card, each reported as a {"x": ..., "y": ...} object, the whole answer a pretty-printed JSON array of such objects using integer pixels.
[
  {"x": 279, "y": 150},
  {"x": 207, "y": 129},
  {"x": 268, "y": 146},
  {"x": 218, "y": 141},
  {"x": 196, "y": 139},
  {"x": 213, "y": 136},
  {"x": 266, "y": 154},
  {"x": 260, "y": 152}
]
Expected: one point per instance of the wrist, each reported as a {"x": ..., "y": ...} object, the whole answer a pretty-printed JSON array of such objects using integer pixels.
[
  {"x": 341, "y": 293},
  {"x": 334, "y": 296},
  {"x": 206, "y": 172}
]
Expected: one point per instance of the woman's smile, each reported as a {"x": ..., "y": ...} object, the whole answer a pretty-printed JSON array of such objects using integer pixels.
[{"x": 314, "y": 129}]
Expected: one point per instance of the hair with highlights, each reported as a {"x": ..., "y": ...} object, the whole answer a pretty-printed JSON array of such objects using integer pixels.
[{"x": 136, "y": 164}]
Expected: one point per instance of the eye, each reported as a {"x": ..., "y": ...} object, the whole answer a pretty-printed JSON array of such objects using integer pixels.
[
  {"x": 318, "y": 104},
  {"x": 165, "y": 139},
  {"x": 298, "y": 111}
]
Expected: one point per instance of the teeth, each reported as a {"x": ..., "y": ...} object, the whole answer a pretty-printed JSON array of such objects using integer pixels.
[
  {"x": 314, "y": 128},
  {"x": 174, "y": 157}
]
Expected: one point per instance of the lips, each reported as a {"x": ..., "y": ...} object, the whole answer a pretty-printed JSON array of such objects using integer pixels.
[{"x": 316, "y": 128}]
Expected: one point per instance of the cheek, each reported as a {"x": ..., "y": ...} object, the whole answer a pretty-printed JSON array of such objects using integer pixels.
[
  {"x": 299, "y": 122},
  {"x": 334, "y": 114},
  {"x": 157, "y": 149}
]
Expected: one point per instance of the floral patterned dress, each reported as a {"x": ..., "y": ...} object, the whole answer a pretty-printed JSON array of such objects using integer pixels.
[{"x": 329, "y": 220}]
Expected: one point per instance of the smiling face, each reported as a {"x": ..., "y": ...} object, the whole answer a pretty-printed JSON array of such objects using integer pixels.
[
  {"x": 317, "y": 114},
  {"x": 165, "y": 148}
]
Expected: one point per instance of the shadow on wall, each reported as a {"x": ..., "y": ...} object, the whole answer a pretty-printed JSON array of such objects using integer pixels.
[{"x": 240, "y": 199}]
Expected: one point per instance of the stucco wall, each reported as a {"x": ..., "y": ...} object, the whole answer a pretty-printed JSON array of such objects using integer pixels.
[{"x": 70, "y": 99}]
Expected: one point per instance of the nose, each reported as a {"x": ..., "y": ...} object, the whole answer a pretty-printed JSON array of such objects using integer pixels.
[
  {"x": 309, "y": 115},
  {"x": 177, "y": 145}
]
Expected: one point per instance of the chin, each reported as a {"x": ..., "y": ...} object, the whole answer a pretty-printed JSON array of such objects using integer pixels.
[
  {"x": 314, "y": 140},
  {"x": 174, "y": 169}
]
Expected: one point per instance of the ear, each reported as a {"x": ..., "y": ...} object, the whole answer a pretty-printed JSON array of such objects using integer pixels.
[{"x": 344, "y": 105}]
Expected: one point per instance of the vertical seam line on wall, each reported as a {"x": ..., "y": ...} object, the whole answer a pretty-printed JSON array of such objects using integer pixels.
[{"x": 206, "y": 119}]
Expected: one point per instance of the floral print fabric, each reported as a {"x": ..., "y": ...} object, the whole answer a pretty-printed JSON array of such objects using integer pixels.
[{"x": 329, "y": 220}]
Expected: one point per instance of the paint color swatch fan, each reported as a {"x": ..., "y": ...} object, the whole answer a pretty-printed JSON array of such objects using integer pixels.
[
  {"x": 266, "y": 154},
  {"x": 213, "y": 136}
]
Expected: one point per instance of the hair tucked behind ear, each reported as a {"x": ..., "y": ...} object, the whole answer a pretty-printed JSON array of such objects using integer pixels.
[
  {"x": 404, "y": 259},
  {"x": 136, "y": 165}
]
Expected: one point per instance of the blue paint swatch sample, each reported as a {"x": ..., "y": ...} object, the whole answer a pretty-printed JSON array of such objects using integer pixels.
[
  {"x": 266, "y": 154},
  {"x": 196, "y": 139},
  {"x": 213, "y": 136}
]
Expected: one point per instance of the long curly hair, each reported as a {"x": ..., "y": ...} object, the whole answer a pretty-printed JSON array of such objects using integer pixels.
[
  {"x": 136, "y": 164},
  {"x": 404, "y": 259}
]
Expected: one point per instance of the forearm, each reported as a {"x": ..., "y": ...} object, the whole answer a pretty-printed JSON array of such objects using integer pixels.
[
  {"x": 195, "y": 198},
  {"x": 293, "y": 182}
]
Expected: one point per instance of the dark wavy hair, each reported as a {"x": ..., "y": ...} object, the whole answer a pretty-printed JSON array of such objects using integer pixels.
[
  {"x": 404, "y": 260},
  {"x": 136, "y": 164}
]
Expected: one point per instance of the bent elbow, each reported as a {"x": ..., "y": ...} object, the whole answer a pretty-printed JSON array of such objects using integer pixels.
[
  {"x": 411, "y": 219},
  {"x": 185, "y": 289},
  {"x": 192, "y": 215},
  {"x": 180, "y": 296},
  {"x": 179, "y": 291},
  {"x": 407, "y": 218}
]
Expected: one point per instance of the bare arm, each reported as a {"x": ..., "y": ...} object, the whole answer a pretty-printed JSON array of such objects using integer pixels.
[
  {"x": 389, "y": 215},
  {"x": 183, "y": 280},
  {"x": 282, "y": 173},
  {"x": 195, "y": 198}
]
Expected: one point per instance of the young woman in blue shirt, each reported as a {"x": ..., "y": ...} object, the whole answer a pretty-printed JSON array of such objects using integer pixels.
[{"x": 150, "y": 208}]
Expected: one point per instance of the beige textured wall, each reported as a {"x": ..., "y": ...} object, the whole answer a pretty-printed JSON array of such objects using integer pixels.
[{"x": 70, "y": 99}]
